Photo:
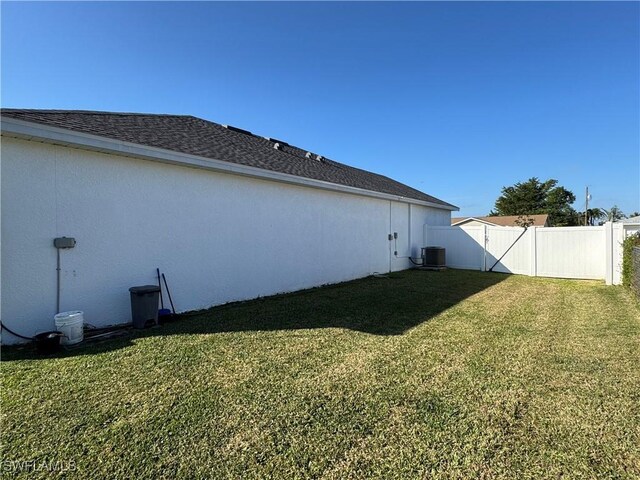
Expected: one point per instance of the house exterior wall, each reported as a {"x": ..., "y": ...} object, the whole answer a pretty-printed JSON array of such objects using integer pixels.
[{"x": 218, "y": 237}]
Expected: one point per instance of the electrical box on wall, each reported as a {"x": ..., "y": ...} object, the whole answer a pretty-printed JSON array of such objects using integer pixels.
[{"x": 64, "y": 242}]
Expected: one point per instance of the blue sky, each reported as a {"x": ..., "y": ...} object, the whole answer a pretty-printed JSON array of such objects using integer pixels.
[{"x": 455, "y": 99}]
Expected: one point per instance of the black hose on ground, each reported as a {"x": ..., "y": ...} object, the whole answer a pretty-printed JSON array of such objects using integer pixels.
[{"x": 2, "y": 325}]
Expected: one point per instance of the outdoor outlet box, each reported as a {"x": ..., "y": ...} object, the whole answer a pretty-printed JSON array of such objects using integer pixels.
[{"x": 64, "y": 242}]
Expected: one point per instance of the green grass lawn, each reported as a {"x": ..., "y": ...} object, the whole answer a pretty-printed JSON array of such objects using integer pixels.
[{"x": 421, "y": 375}]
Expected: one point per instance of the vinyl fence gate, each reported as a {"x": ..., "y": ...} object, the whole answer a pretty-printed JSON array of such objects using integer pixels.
[{"x": 562, "y": 252}]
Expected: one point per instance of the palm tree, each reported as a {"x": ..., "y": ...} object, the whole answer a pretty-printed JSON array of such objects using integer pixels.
[
  {"x": 595, "y": 214},
  {"x": 614, "y": 214}
]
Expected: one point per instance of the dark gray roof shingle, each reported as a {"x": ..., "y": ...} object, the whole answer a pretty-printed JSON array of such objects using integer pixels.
[{"x": 195, "y": 136}]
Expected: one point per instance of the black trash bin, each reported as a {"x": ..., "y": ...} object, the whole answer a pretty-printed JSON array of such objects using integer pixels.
[{"x": 144, "y": 305}]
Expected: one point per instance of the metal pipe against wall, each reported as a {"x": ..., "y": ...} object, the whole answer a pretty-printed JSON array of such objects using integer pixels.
[
  {"x": 59, "y": 243},
  {"x": 58, "y": 282}
]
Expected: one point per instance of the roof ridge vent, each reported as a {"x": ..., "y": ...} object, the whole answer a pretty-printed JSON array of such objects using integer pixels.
[
  {"x": 236, "y": 129},
  {"x": 275, "y": 140},
  {"x": 314, "y": 156}
]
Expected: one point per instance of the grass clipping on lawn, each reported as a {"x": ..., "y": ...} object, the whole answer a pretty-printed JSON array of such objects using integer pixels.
[{"x": 420, "y": 375}]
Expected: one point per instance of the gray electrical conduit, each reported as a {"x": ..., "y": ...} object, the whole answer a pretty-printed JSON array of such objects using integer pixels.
[
  {"x": 58, "y": 281},
  {"x": 396, "y": 253},
  {"x": 411, "y": 260}
]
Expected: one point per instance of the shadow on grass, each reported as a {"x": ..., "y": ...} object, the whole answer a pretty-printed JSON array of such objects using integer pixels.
[{"x": 379, "y": 306}]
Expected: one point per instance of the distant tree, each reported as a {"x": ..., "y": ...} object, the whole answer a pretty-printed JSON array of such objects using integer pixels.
[
  {"x": 594, "y": 215},
  {"x": 535, "y": 197},
  {"x": 633, "y": 214},
  {"x": 614, "y": 214},
  {"x": 558, "y": 206}
]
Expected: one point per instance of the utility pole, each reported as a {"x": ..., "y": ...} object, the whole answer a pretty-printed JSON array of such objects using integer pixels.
[{"x": 586, "y": 207}]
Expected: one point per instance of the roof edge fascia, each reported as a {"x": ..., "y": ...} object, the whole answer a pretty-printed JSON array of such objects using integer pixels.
[{"x": 476, "y": 219}]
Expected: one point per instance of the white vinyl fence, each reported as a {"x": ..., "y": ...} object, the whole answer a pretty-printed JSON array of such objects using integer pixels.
[{"x": 563, "y": 252}]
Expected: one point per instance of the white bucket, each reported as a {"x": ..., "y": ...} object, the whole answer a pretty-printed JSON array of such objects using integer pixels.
[{"x": 71, "y": 324}]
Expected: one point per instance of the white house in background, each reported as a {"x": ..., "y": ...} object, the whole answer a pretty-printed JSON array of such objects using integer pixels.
[
  {"x": 630, "y": 220},
  {"x": 228, "y": 215},
  {"x": 500, "y": 221}
]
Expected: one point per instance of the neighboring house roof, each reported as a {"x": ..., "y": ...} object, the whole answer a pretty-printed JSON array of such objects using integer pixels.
[
  {"x": 631, "y": 220},
  {"x": 503, "y": 221},
  {"x": 195, "y": 136}
]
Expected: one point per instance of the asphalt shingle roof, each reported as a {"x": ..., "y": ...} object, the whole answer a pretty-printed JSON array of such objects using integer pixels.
[
  {"x": 539, "y": 220},
  {"x": 195, "y": 136}
]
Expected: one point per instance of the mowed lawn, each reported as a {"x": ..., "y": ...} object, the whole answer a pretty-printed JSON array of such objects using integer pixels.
[{"x": 452, "y": 374}]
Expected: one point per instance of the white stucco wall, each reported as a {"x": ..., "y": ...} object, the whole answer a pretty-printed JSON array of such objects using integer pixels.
[{"x": 218, "y": 237}]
